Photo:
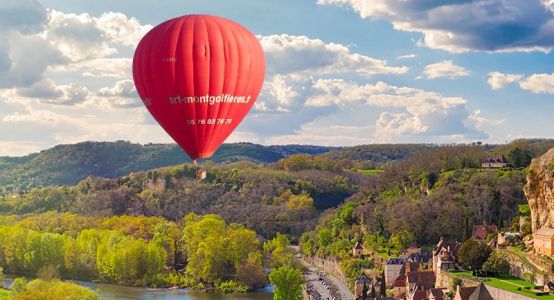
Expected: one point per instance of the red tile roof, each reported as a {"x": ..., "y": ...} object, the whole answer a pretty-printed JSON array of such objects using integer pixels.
[{"x": 480, "y": 232}]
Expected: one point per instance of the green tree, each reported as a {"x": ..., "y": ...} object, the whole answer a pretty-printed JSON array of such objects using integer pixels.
[
  {"x": 18, "y": 285},
  {"x": 496, "y": 263},
  {"x": 473, "y": 254},
  {"x": 402, "y": 239},
  {"x": 287, "y": 283}
]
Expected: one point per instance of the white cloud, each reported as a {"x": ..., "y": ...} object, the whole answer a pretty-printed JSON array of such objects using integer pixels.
[
  {"x": 445, "y": 68},
  {"x": 481, "y": 122},
  {"x": 122, "y": 94},
  {"x": 392, "y": 125},
  {"x": 463, "y": 25},
  {"x": 499, "y": 80},
  {"x": 407, "y": 56},
  {"x": 538, "y": 83},
  {"x": 48, "y": 92},
  {"x": 422, "y": 112},
  {"x": 288, "y": 54},
  {"x": 77, "y": 36},
  {"x": 121, "y": 29}
]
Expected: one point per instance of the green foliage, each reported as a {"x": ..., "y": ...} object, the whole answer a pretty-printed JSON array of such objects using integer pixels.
[
  {"x": 45, "y": 290},
  {"x": 402, "y": 239},
  {"x": 473, "y": 254},
  {"x": 18, "y": 285},
  {"x": 456, "y": 281},
  {"x": 215, "y": 249},
  {"x": 287, "y": 283},
  {"x": 278, "y": 251},
  {"x": 496, "y": 263},
  {"x": 131, "y": 250},
  {"x": 230, "y": 286}
]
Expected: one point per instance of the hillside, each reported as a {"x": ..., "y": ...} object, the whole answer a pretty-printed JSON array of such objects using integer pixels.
[{"x": 68, "y": 164}]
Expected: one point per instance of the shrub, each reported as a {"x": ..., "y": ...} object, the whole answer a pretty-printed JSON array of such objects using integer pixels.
[{"x": 231, "y": 286}]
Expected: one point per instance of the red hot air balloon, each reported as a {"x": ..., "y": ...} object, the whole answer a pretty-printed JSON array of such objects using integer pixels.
[{"x": 199, "y": 75}]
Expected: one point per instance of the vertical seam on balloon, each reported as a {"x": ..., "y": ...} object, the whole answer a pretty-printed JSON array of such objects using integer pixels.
[
  {"x": 194, "y": 114},
  {"x": 176, "y": 84},
  {"x": 232, "y": 28},
  {"x": 214, "y": 128},
  {"x": 203, "y": 128}
]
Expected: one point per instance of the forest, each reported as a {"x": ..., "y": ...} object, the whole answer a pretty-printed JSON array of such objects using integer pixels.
[{"x": 162, "y": 227}]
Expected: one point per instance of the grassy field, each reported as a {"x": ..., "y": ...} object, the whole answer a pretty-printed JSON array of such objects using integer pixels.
[
  {"x": 508, "y": 283},
  {"x": 370, "y": 171},
  {"x": 4, "y": 294}
]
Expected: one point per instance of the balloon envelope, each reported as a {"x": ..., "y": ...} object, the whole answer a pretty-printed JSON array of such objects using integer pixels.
[{"x": 199, "y": 75}]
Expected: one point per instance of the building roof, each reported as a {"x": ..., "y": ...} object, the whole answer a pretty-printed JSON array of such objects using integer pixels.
[
  {"x": 420, "y": 257},
  {"x": 465, "y": 292},
  {"x": 495, "y": 159},
  {"x": 452, "y": 246},
  {"x": 419, "y": 295},
  {"x": 396, "y": 261},
  {"x": 480, "y": 293},
  {"x": 358, "y": 246},
  {"x": 400, "y": 281},
  {"x": 547, "y": 232},
  {"x": 480, "y": 232},
  {"x": 413, "y": 266},
  {"x": 363, "y": 279},
  {"x": 421, "y": 277},
  {"x": 437, "y": 293}
]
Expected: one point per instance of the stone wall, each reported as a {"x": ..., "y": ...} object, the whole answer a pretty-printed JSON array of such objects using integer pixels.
[
  {"x": 444, "y": 279},
  {"x": 328, "y": 265},
  {"x": 540, "y": 272},
  {"x": 499, "y": 294}
]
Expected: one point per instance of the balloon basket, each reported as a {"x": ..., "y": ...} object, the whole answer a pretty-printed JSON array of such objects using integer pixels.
[{"x": 200, "y": 174}]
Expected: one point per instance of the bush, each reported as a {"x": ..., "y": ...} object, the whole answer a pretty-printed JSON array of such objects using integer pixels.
[
  {"x": 228, "y": 287},
  {"x": 496, "y": 264},
  {"x": 39, "y": 289},
  {"x": 474, "y": 254}
]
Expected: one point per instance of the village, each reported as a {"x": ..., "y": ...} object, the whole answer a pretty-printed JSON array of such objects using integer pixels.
[{"x": 438, "y": 273}]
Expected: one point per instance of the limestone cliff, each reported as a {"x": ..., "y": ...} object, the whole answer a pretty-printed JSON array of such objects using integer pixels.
[{"x": 539, "y": 191}]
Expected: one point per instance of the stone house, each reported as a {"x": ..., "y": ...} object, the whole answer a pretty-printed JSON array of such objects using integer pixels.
[
  {"x": 543, "y": 241},
  {"x": 418, "y": 283},
  {"x": 392, "y": 269},
  {"x": 495, "y": 162},
  {"x": 360, "y": 282},
  {"x": 445, "y": 255},
  {"x": 358, "y": 250}
]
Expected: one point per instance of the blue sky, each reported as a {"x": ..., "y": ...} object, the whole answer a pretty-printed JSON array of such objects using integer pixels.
[{"x": 340, "y": 72}]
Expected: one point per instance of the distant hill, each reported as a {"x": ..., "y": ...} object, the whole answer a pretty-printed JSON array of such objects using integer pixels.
[{"x": 68, "y": 164}]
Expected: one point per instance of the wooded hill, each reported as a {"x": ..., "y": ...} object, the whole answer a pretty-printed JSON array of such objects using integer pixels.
[{"x": 69, "y": 164}]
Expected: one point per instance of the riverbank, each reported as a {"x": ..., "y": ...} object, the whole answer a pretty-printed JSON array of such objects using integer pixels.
[{"x": 117, "y": 292}]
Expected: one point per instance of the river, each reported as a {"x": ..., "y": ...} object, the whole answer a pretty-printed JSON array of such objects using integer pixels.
[{"x": 113, "y": 292}]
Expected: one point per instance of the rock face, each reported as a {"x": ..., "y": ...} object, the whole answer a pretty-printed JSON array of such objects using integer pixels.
[{"x": 539, "y": 191}]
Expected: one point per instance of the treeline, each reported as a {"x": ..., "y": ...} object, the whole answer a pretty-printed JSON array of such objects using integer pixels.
[
  {"x": 69, "y": 164},
  {"x": 264, "y": 199},
  {"x": 200, "y": 251}
]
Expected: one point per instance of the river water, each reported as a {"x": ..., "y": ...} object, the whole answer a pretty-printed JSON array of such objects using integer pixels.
[{"x": 113, "y": 292}]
